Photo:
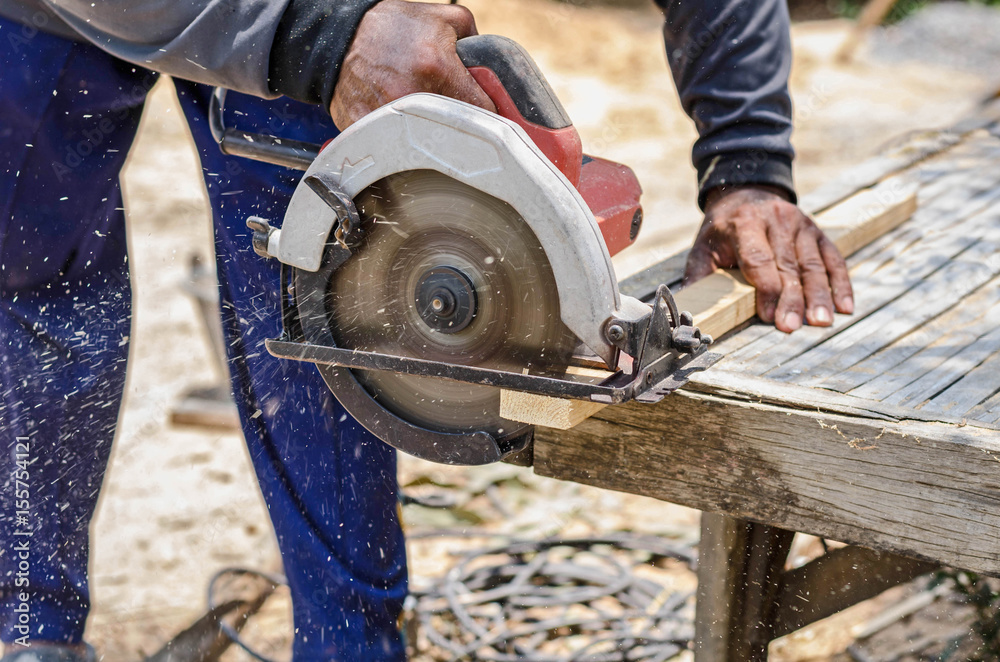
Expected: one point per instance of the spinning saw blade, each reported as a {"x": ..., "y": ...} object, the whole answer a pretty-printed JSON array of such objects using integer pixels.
[{"x": 447, "y": 273}]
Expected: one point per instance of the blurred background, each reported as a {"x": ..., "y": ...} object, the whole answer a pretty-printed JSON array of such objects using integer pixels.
[{"x": 180, "y": 501}]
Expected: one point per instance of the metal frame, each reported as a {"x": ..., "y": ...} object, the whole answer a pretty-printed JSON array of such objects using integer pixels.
[
  {"x": 257, "y": 146},
  {"x": 671, "y": 372}
]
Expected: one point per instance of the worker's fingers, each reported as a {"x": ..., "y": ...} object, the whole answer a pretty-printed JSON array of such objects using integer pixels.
[
  {"x": 757, "y": 262},
  {"x": 789, "y": 312},
  {"x": 700, "y": 260},
  {"x": 401, "y": 48},
  {"x": 840, "y": 278},
  {"x": 456, "y": 82},
  {"x": 815, "y": 279},
  {"x": 459, "y": 18},
  {"x": 444, "y": 70}
]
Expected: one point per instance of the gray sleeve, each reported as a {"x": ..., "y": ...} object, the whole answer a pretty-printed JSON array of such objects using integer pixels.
[
  {"x": 730, "y": 60},
  {"x": 228, "y": 43}
]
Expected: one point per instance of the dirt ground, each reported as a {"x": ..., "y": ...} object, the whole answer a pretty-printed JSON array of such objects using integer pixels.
[{"x": 181, "y": 503}]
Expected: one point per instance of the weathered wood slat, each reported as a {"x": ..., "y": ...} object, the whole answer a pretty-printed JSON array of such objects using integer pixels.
[
  {"x": 965, "y": 163},
  {"x": 921, "y": 303},
  {"x": 978, "y": 385},
  {"x": 987, "y": 412},
  {"x": 761, "y": 390},
  {"x": 947, "y": 373},
  {"x": 986, "y": 116},
  {"x": 741, "y": 337},
  {"x": 926, "y": 490},
  {"x": 643, "y": 285},
  {"x": 910, "y": 150},
  {"x": 888, "y": 370},
  {"x": 871, "y": 172},
  {"x": 965, "y": 196}
]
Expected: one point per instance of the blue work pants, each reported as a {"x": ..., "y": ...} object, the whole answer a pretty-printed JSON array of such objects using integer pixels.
[{"x": 68, "y": 116}]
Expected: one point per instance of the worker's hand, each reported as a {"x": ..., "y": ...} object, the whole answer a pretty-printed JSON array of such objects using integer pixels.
[
  {"x": 401, "y": 48},
  {"x": 797, "y": 270}
]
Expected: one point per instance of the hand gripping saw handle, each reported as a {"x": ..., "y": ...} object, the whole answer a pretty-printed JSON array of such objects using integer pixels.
[{"x": 521, "y": 94}]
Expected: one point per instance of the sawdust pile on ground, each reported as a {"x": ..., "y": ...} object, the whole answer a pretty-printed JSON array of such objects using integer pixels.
[{"x": 179, "y": 504}]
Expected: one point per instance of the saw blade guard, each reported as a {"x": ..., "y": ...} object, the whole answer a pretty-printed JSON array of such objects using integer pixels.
[{"x": 488, "y": 153}]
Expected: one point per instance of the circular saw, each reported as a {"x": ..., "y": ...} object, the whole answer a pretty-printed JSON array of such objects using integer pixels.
[{"x": 435, "y": 254}]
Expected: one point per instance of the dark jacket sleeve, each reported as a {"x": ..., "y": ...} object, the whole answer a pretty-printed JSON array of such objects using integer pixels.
[
  {"x": 730, "y": 60},
  {"x": 262, "y": 47},
  {"x": 309, "y": 47}
]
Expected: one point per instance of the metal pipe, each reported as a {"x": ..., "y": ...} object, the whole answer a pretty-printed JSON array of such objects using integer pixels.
[{"x": 259, "y": 147}]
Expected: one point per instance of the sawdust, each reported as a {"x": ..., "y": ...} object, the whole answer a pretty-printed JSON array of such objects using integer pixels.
[{"x": 178, "y": 504}]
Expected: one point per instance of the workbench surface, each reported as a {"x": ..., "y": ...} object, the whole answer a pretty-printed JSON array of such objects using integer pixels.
[{"x": 882, "y": 430}]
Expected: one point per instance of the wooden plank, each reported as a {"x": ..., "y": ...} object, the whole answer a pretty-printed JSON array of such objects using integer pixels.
[
  {"x": 915, "y": 355},
  {"x": 919, "y": 489},
  {"x": 951, "y": 371},
  {"x": 741, "y": 337},
  {"x": 761, "y": 390},
  {"x": 558, "y": 413},
  {"x": 987, "y": 412},
  {"x": 916, "y": 149},
  {"x": 719, "y": 302},
  {"x": 724, "y": 300},
  {"x": 978, "y": 385},
  {"x": 839, "y": 579},
  {"x": 873, "y": 14},
  {"x": 921, "y": 303},
  {"x": 857, "y": 221},
  {"x": 968, "y": 319},
  {"x": 986, "y": 116}
]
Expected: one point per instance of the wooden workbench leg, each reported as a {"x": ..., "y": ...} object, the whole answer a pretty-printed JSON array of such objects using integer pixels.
[{"x": 740, "y": 566}]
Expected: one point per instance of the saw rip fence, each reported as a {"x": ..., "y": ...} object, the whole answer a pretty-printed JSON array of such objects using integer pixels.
[{"x": 564, "y": 600}]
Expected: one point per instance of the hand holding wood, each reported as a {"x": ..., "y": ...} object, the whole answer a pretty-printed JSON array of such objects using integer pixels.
[{"x": 797, "y": 271}]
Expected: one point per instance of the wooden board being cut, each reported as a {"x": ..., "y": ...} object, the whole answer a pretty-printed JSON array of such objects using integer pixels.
[{"x": 724, "y": 300}]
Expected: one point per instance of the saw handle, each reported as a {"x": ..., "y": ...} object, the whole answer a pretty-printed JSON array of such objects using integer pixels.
[{"x": 514, "y": 83}]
